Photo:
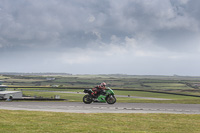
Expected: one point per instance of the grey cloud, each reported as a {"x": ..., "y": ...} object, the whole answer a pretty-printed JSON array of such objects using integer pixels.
[
  {"x": 129, "y": 31},
  {"x": 66, "y": 23}
]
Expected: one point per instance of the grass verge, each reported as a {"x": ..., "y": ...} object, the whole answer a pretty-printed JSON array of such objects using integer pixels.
[
  {"x": 52, "y": 122},
  {"x": 78, "y": 97}
]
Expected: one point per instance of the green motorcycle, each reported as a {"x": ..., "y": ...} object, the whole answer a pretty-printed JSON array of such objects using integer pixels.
[{"x": 107, "y": 96}]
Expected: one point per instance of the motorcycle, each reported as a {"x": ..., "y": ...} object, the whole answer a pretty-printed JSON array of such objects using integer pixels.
[{"x": 107, "y": 96}]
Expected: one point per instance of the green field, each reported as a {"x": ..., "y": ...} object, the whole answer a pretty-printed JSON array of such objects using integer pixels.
[
  {"x": 50, "y": 122},
  {"x": 77, "y": 97},
  {"x": 172, "y": 84}
]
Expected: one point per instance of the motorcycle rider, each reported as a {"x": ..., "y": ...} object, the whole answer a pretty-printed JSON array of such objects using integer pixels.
[{"x": 99, "y": 89}]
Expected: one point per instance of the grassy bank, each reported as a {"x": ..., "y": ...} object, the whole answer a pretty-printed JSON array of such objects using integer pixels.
[{"x": 29, "y": 121}]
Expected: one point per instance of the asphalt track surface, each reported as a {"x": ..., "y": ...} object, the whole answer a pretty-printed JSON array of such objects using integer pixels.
[{"x": 78, "y": 107}]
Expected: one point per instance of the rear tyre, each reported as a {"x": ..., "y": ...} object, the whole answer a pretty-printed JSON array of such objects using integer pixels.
[
  {"x": 87, "y": 99},
  {"x": 111, "y": 99}
]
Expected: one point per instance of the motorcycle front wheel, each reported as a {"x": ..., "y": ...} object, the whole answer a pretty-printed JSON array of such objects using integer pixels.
[
  {"x": 111, "y": 99},
  {"x": 87, "y": 99}
]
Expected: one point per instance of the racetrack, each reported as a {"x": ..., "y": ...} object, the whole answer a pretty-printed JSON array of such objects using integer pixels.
[
  {"x": 148, "y": 98},
  {"x": 78, "y": 107}
]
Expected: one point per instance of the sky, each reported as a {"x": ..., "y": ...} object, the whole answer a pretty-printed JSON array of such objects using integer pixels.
[{"x": 135, "y": 37}]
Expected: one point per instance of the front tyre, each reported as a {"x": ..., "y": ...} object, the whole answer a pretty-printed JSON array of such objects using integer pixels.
[
  {"x": 87, "y": 99},
  {"x": 111, "y": 99}
]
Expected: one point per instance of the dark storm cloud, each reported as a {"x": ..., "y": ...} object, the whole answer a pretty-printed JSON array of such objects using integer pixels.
[{"x": 59, "y": 23}]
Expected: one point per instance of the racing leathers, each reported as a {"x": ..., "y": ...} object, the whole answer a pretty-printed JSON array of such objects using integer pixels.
[{"x": 98, "y": 90}]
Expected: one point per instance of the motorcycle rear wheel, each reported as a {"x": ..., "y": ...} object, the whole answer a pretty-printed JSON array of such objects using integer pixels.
[
  {"x": 87, "y": 99},
  {"x": 111, "y": 99}
]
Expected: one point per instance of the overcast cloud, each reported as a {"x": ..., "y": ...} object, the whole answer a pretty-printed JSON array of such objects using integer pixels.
[{"x": 145, "y": 37}]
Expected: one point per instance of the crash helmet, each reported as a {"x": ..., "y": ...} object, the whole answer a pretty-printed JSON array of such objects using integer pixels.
[{"x": 103, "y": 84}]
